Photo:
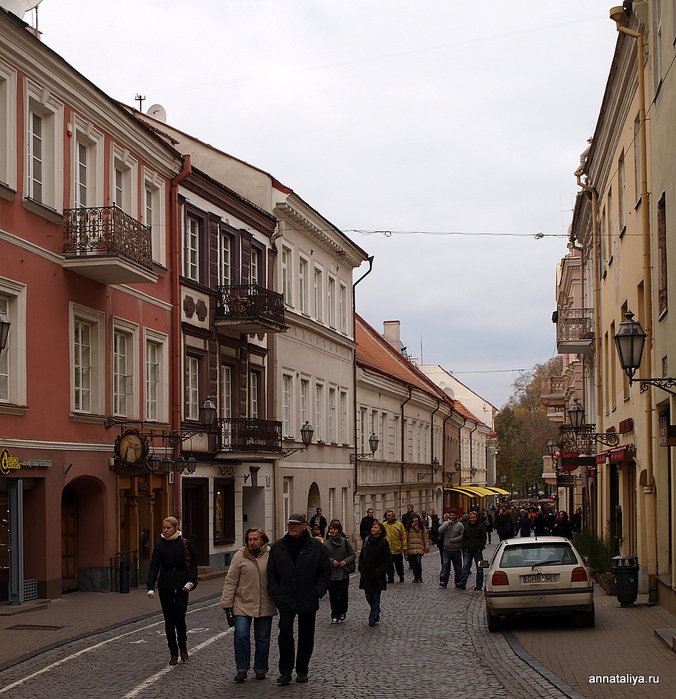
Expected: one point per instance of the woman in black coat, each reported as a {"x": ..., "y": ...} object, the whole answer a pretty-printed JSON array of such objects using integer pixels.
[
  {"x": 562, "y": 525},
  {"x": 375, "y": 559},
  {"x": 174, "y": 561},
  {"x": 504, "y": 525}
]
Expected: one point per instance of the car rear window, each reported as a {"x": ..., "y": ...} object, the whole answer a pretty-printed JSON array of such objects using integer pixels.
[{"x": 537, "y": 554}]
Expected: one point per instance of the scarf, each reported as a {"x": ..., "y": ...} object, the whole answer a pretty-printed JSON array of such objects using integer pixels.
[{"x": 174, "y": 536}]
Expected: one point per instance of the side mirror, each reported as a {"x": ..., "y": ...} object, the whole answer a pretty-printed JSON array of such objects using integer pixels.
[{"x": 484, "y": 564}]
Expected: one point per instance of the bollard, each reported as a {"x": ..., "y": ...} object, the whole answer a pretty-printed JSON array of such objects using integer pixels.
[{"x": 125, "y": 572}]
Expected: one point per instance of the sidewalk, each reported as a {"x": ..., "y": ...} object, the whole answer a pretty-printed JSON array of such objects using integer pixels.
[
  {"x": 31, "y": 628},
  {"x": 623, "y": 642}
]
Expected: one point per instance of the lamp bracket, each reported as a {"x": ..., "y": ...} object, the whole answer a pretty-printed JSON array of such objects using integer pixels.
[
  {"x": 291, "y": 450},
  {"x": 423, "y": 476},
  {"x": 664, "y": 384},
  {"x": 360, "y": 457}
]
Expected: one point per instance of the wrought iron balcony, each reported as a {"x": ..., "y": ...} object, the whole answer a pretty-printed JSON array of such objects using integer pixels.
[
  {"x": 248, "y": 434},
  {"x": 250, "y": 308},
  {"x": 107, "y": 245},
  {"x": 574, "y": 330}
]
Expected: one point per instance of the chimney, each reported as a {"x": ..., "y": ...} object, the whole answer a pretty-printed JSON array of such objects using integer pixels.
[{"x": 391, "y": 333}]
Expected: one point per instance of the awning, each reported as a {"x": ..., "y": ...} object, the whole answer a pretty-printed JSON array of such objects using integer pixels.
[
  {"x": 497, "y": 490},
  {"x": 471, "y": 491},
  {"x": 625, "y": 451}
]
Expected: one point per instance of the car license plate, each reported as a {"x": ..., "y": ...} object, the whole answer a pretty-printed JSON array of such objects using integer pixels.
[{"x": 541, "y": 578}]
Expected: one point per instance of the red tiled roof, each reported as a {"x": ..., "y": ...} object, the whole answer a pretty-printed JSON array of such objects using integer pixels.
[{"x": 375, "y": 353}]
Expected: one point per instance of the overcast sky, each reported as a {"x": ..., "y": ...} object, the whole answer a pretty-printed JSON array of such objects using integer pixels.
[{"x": 422, "y": 117}]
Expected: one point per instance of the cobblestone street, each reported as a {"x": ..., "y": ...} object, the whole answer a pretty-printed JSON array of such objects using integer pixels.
[{"x": 431, "y": 642}]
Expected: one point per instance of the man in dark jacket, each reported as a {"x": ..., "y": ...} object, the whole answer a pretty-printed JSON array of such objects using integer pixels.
[
  {"x": 298, "y": 577},
  {"x": 318, "y": 524},
  {"x": 366, "y": 523},
  {"x": 473, "y": 544}
]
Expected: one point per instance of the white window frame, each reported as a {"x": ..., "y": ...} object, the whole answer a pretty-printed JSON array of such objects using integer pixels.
[
  {"x": 14, "y": 354},
  {"x": 318, "y": 286},
  {"x": 255, "y": 266},
  {"x": 343, "y": 419},
  {"x": 332, "y": 415},
  {"x": 86, "y": 135},
  {"x": 319, "y": 412},
  {"x": 342, "y": 308},
  {"x": 40, "y": 101},
  {"x": 191, "y": 248},
  {"x": 124, "y": 369},
  {"x": 254, "y": 386},
  {"x": 287, "y": 399},
  {"x": 159, "y": 391},
  {"x": 331, "y": 302},
  {"x": 286, "y": 261},
  {"x": 303, "y": 271},
  {"x": 155, "y": 185},
  {"x": 95, "y": 319},
  {"x": 191, "y": 387},
  {"x": 225, "y": 391},
  {"x": 128, "y": 166},
  {"x": 8, "y": 97},
  {"x": 225, "y": 244},
  {"x": 304, "y": 400}
]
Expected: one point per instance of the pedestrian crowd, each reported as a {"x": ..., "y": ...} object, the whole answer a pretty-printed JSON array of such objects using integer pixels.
[{"x": 289, "y": 577}]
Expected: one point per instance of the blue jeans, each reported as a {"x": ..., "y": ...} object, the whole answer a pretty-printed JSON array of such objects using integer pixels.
[
  {"x": 448, "y": 557},
  {"x": 415, "y": 559},
  {"x": 373, "y": 598},
  {"x": 262, "y": 627},
  {"x": 467, "y": 558}
]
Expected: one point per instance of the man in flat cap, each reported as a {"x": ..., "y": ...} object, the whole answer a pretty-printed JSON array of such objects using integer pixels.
[{"x": 298, "y": 577}]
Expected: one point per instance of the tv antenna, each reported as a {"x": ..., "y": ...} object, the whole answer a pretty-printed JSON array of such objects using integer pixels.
[{"x": 140, "y": 98}]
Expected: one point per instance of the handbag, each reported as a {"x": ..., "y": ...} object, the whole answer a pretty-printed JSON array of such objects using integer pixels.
[
  {"x": 352, "y": 566},
  {"x": 188, "y": 562}
]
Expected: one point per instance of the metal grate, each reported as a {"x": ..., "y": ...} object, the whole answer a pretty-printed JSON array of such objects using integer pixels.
[{"x": 30, "y": 590}]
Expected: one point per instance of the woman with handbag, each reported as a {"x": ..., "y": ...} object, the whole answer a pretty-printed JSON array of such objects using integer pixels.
[
  {"x": 245, "y": 600},
  {"x": 174, "y": 561},
  {"x": 342, "y": 558},
  {"x": 417, "y": 544},
  {"x": 375, "y": 559}
]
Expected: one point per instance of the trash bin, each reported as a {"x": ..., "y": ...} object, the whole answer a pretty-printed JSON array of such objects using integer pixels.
[{"x": 626, "y": 569}]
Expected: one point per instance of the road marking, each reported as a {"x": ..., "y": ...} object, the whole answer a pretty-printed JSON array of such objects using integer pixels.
[
  {"x": 48, "y": 668},
  {"x": 159, "y": 675}
]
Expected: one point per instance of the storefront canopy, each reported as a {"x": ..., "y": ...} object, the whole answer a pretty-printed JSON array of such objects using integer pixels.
[
  {"x": 471, "y": 491},
  {"x": 499, "y": 491}
]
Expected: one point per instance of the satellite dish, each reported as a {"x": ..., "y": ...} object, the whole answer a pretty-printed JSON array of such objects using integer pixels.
[
  {"x": 157, "y": 111},
  {"x": 19, "y": 7}
]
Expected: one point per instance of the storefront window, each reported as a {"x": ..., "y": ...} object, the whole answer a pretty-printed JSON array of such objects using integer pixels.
[{"x": 224, "y": 511}]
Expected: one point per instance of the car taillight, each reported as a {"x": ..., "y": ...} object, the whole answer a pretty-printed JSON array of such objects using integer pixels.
[
  {"x": 578, "y": 575},
  {"x": 499, "y": 578}
]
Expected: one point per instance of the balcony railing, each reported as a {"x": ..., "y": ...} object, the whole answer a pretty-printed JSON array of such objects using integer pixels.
[
  {"x": 574, "y": 330},
  {"x": 250, "y": 308},
  {"x": 106, "y": 244},
  {"x": 248, "y": 434}
]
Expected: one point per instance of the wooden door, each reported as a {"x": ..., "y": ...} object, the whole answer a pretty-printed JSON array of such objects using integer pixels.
[
  {"x": 69, "y": 544},
  {"x": 196, "y": 516}
]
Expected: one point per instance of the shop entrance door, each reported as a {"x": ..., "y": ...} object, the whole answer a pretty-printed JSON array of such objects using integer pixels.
[
  {"x": 196, "y": 516},
  {"x": 69, "y": 544}
]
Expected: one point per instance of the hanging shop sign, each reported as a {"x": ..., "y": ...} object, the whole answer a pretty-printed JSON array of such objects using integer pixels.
[
  {"x": 131, "y": 454},
  {"x": 667, "y": 432},
  {"x": 8, "y": 463}
]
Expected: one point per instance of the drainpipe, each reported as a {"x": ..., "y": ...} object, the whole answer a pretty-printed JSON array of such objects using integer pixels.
[
  {"x": 403, "y": 439},
  {"x": 355, "y": 473},
  {"x": 471, "y": 458},
  {"x": 175, "y": 342},
  {"x": 432, "y": 442},
  {"x": 617, "y": 14},
  {"x": 443, "y": 452}
]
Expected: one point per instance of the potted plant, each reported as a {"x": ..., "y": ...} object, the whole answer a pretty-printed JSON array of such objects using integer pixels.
[{"x": 598, "y": 554}]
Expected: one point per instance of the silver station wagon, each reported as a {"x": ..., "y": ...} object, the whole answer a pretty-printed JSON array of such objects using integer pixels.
[{"x": 543, "y": 575}]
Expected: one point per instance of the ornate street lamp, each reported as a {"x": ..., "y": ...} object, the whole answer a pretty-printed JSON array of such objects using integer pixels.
[
  {"x": 373, "y": 445},
  {"x": 208, "y": 412},
  {"x": 552, "y": 447},
  {"x": 576, "y": 414},
  {"x": 306, "y": 432},
  {"x": 629, "y": 342}
]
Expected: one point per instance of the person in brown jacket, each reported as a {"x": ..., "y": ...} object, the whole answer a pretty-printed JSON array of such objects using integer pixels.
[
  {"x": 245, "y": 598},
  {"x": 417, "y": 544}
]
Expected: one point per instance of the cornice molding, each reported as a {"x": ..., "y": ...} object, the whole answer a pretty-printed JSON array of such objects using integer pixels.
[
  {"x": 55, "y": 446},
  {"x": 31, "y": 247}
]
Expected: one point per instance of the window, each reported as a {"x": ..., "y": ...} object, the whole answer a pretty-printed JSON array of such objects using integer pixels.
[
  {"x": 122, "y": 372},
  {"x": 621, "y": 181},
  {"x": 657, "y": 43},
  {"x": 662, "y": 269},
  {"x": 319, "y": 411},
  {"x": 304, "y": 405},
  {"x": 226, "y": 391},
  {"x": 154, "y": 213},
  {"x": 332, "y": 415},
  {"x": 13, "y": 357},
  {"x": 331, "y": 301},
  {"x": 191, "y": 249},
  {"x": 87, "y": 157},
  {"x": 44, "y": 147},
  {"x": 342, "y": 309},
  {"x": 302, "y": 286},
  {"x": 191, "y": 379},
  {"x": 87, "y": 360},
  {"x": 637, "y": 157},
  {"x": 123, "y": 179},
  {"x": 255, "y": 266},
  {"x": 224, "y": 511},
  {"x": 7, "y": 125},
  {"x": 287, "y": 496},
  {"x": 286, "y": 275},
  {"x": 318, "y": 289},
  {"x": 362, "y": 429},
  {"x": 342, "y": 429},
  {"x": 225, "y": 260},
  {"x": 254, "y": 388},
  {"x": 286, "y": 405},
  {"x": 155, "y": 380}
]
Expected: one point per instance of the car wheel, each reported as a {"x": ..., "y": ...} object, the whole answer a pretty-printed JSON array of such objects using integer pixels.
[
  {"x": 587, "y": 619},
  {"x": 492, "y": 621}
]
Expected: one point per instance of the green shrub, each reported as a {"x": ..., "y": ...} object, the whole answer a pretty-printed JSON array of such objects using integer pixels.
[{"x": 598, "y": 551}]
